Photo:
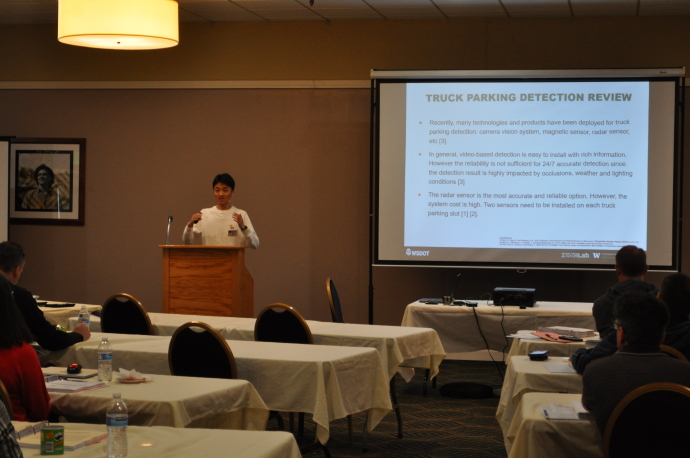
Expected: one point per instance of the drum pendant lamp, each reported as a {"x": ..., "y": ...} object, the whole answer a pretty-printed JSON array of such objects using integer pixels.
[{"x": 118, "y": 24}]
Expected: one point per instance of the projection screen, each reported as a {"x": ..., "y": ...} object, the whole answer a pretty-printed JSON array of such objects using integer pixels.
[{"x": 553, "y": 169}]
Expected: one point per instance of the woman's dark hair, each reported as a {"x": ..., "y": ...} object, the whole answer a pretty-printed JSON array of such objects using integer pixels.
[
  {"x": 47, "y": 169},
  {"x": 13, "y": 328},
  {"x": 224, "y": 178}
]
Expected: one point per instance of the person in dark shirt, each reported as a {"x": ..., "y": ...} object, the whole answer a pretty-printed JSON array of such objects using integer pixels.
[
  {"x": 675, "y": 293},
  {"x": 12, "y": 259},
  {"x": 631, "y": 267},
  {"x": 640, "y": 323}
]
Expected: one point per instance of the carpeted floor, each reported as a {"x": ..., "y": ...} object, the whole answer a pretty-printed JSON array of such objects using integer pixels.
[{"x": 435, "y": 426}]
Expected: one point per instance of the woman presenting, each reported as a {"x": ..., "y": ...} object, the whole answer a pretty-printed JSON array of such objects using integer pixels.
[{"x": 224, "y": 224}]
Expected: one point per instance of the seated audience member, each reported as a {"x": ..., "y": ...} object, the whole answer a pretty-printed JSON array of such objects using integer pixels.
[
  {"x": 20, "y": 370},
  {"x": 631, "y": 267},
  {"x": 48, "y": 337},
  {"x": 640, "y": 321},
  {"x": 8, "y": 436},
  {"x": 675, "y": 293}
]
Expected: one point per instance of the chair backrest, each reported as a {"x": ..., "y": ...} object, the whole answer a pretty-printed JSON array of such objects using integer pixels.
[
  {"x": 123, "y": 314},
  {"x": 198, "y": 350},
  {"x": 334, "y": 301},
  {"x": 281, "y": 323},
  {"x": 652, "y": 420},
  {"x": 673, "y": 352},
  {"x": 5, "y": 398}
]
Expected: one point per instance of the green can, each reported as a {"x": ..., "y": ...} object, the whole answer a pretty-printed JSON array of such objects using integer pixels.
[{"x": 52, "y": 440}]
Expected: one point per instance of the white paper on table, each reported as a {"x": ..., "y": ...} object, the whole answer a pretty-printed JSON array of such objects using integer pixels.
[
  {"x": 524, "y": 336},
  {"x": 556, "y": 411},
  {"x": 560, "y": 368}
]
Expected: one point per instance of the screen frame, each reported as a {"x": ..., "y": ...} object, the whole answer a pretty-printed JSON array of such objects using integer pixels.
[{"x": 378, "y": 77}]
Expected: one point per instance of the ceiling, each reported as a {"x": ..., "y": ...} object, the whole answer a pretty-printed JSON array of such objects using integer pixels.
[{"x": 45, "y": 11}]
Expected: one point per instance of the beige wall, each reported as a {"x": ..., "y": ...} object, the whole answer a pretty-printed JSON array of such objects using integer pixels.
[{"x": 300, "y": 156}]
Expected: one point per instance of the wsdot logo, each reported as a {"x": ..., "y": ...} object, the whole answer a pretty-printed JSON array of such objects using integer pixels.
[{"x": 417, "y": 253}]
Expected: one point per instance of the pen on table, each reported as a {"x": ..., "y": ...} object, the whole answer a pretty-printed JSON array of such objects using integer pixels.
[{"x": 551, "y": 336}]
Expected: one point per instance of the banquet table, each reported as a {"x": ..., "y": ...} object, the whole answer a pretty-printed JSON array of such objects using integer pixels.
[
  {"x": 61, "y": 315},
  {"x": 171, "y": 401},
  {"x": 533, "y": 436},
  {"x": 166, "y": 442},
  {"x": 524, "y": 376},
  {"x": 328, "y": 382},
  {"x": 457, "y": 326},
  {"x": 416, "y": 347},
  {"x": 525, "y": 346}
]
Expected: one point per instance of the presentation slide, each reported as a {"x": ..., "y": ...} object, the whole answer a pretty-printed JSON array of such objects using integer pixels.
[{"x": 546, "y": 171}]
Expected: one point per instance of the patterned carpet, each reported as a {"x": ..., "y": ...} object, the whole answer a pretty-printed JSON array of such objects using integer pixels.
[{"x": 435, "y": 426}]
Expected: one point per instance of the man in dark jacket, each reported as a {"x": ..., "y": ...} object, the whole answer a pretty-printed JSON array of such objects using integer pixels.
[
  {"x": 631, "y": 267},
  {"x": 675, "y": 293},
  {"x": 641, "y": 320},
  {"x": 12, "y": 260}
]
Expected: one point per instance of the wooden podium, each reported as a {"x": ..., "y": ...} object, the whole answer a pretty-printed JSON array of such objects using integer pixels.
[{"x": 207, "y": 280}]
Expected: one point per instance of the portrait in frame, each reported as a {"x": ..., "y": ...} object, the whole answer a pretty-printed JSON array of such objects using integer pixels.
[{"x": 47, "y": 181}]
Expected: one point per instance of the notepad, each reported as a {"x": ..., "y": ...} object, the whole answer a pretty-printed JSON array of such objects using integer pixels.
[
  {"x": 62, "y": 372},
  {"x": 572, "y": 411},
  {"x": 560, "y": 368},
  {"x": 72, "y": 386},
  {"x": 74, "y": 439}
]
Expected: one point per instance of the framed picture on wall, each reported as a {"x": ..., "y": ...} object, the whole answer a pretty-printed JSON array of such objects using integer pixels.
[{"x": 47, "y": 181}]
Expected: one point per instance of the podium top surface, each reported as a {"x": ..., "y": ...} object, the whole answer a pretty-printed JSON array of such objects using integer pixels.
[{"x": 208, "y": 247}]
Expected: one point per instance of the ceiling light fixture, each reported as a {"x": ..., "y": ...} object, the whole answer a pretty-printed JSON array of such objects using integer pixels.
[{"x": 118, "y": 24}]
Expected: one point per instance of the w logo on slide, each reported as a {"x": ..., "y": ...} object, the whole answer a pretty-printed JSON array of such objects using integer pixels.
[
  {"x": 408, "y": 252},
  {"x": 596, "y": 255}
]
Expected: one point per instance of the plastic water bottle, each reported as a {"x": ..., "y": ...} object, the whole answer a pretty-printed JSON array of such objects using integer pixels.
[
  {"x": 116, "y": 420},
  {"x": 105, "y": 361},
  {"x": 84, "y": 316}
]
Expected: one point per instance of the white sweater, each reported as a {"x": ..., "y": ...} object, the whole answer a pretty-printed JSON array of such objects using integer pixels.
[{"x": 217, "y": 228}]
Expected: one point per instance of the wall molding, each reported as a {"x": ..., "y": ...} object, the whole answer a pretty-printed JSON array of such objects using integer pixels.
[{"x": 277, "y": 84}]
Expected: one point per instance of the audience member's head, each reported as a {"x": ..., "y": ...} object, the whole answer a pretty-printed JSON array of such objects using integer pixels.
[
  {"x": 675, "y": 292},
  {"x": 641, "y": 319},
  {"x": 13, "y": 329},
  {"x": 631, "y": 262},
  {"x": 226, "y": 179},
  {"x": 12, "y": 259}
]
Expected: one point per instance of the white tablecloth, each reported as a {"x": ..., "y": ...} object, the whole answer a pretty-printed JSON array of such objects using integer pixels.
[
  {"x": 172, "y": 401},
  {"x": 533, "y": 436},
  {"x": 165, "y": 442},
  {"x": 328, "y": 382},
  {"x": 457, "y": 328},
  {"x": 61, "y": 315},
  {"x": 420, "y": 347},
  {"x": 525, "y": 376}
]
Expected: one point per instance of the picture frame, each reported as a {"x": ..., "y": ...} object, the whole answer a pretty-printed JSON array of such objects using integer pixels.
[{"x": 47, "y": 181}]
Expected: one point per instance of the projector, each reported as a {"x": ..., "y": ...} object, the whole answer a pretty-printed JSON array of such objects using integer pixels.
[{"x": 523, "y": 297}]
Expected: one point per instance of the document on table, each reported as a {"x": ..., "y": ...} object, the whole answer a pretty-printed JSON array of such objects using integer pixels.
[
  {"x": 524, "y": 336},
  {"x": 573, "y": 411},
  {"x": 560, "y": 368}
]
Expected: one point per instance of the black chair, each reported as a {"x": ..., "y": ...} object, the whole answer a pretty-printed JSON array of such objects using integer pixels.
[
  {"x": 123, "y": 314},
  {"x": 650, "y": 421},
  {"x": 334, "y": 301},
  {"x": 198, "y": 350},
  {"x": 282, "y": 323},
  {"x": 5, "y": 398}
]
